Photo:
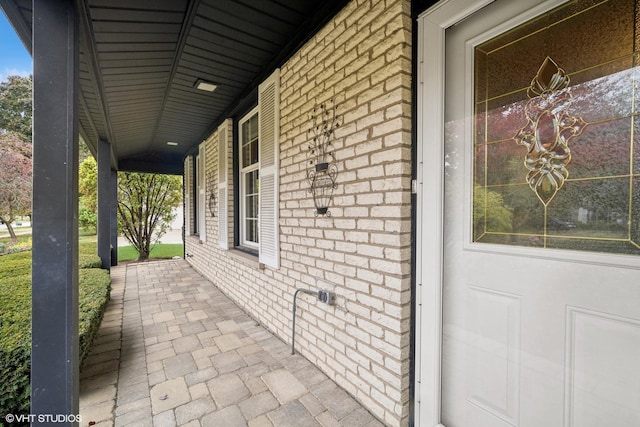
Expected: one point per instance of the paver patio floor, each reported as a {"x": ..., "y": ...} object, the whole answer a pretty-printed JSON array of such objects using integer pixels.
[{"x": 174, "y": 350}]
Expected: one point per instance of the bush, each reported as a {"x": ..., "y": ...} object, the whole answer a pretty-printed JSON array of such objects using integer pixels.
[
  {"x": 87, "y": 257},
  {"x": 15, "y": 325},
  {"x": 14, "y": 265},
  {"x": 95, "y": 288},
  {"x": 9, "y": 246},
  {"x": 89, "y": 261},
  {"x": 15, "y": 343}
]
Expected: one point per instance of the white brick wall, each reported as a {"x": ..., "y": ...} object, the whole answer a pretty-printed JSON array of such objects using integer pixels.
[{"x": 362, "y": 252}]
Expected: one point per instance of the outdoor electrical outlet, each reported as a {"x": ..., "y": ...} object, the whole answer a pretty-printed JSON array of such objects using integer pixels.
[{"x": 326, "y": 297}]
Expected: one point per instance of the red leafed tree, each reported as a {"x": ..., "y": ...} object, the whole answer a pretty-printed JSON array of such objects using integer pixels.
[{"x": 15, "y": 178}]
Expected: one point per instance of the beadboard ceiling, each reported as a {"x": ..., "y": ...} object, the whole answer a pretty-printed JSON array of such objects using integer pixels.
[{"x": 140, "y": 60}]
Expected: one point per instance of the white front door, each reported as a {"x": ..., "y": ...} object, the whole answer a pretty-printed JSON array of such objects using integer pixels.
[{"x": 529, "y": 215}]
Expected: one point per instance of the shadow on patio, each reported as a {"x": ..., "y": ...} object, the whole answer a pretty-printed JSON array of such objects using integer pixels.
[{"x": 174, "y": 350}]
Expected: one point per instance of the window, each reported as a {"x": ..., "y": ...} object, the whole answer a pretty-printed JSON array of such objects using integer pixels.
[
  {"x": 249, "y": 182},
  {"x": 256, "y": 167}
]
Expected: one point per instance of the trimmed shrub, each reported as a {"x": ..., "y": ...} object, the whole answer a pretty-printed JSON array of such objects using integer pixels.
[
  {"x": 21, "y": 244},
  {"x": 88, "y": 248},
  {"x": 14, "y": 265},
  {"x": 89, "y": 261},
  {"x": 15, "y": 325},
  {"x": 87, "y": 257},
  {"x": 95, "y": 288},
  {"x": 15, "y": 343}
]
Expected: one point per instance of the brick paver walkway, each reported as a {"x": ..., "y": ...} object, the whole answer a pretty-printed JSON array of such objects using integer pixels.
[{"x": 173, "y": 350}]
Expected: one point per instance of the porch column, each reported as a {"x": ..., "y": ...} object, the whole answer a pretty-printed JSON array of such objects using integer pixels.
[
  {"x": 54, "y": 353},
  {"x": 113, "y": 185},
  {"x": 104, "y": 203}
]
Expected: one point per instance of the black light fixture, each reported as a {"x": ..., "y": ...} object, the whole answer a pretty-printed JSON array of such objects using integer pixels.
[
  {"x": 323, "y": 171},
  {"x": 205, "y": 85}
]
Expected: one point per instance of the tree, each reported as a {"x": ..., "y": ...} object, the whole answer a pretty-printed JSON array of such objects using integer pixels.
[
  {"x": 145, "y": 207},
  {"x": 490, "y": 212},
  {"x": 15, "y": 149},
  {"x": 15, "y": 179},
  {"x": 88, "y": 189},
  {"x": 16, "y": 106}
]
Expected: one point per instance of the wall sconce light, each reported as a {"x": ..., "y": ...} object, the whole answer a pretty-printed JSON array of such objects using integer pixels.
[{"x": 323, "y": 172}]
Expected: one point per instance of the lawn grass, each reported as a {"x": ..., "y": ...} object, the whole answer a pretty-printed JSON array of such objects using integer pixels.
[
  {"x": 20, "y": 238},
  {"x": 159, "y": 251},
  {"x": 88, "y": 245}
]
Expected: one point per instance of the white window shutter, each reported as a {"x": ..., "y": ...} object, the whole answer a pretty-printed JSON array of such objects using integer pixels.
[
  {"x": 187, "y": 198},
  {"x": 269, "y": 148},
  {"x": 202, "y": 198},
  {"x": 223, "y": 200}
]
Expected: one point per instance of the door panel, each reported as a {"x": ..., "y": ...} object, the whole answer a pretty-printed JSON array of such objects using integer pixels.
[
  {"x": 541, "y": 292},
  {"x": 602, "y": 351}
]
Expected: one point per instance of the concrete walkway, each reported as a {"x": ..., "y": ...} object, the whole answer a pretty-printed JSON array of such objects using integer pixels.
[{"x": 173, "y": 350}]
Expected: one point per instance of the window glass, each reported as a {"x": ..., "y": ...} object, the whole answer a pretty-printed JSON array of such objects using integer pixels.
[
  {"x": 251, "y": 205},
  {"x": 249, "y": 134},
  {"x": 249, "y": 180},
  {"x": 556, "y": 153}
]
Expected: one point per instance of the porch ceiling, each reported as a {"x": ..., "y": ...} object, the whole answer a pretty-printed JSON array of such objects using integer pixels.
[{"x": 140, "y": 59}]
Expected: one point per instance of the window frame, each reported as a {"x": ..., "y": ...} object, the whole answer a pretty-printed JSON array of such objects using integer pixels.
[
  {"x": 200, "y": 193},
  {"x": 194, "y": 194},
  {"x": 243, "y": 172}
]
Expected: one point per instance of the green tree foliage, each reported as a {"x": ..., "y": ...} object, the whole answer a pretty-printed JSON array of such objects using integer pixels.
[
  {"x": 490, "y": 212},
  {"x": 15, "y": 178},
  {"x": 145, "y": 207},
  {"x": 15, "y": 149},
  {"x": 16, "y": 106},
  {"x": 88, "y": 189}
]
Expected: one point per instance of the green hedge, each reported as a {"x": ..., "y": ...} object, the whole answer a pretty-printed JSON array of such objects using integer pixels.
[
  {"x": 95, "y": 287},
  {"x": 89, "y": 261},
  {"x": 15, "y": 324},
  {"x": 15, "y": 342},
  {"x": 14, "y": 265}
]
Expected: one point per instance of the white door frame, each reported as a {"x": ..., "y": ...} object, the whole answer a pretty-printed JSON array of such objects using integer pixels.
[{"x": 429, "y": 228}]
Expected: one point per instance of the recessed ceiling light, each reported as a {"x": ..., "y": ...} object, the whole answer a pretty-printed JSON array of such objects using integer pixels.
[
  {"x": 172, "y": 143},
  {"x": 204, "y": 85}
]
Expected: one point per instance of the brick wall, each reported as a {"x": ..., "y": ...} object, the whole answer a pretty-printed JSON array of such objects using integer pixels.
[{"x": 362, "y": 61}]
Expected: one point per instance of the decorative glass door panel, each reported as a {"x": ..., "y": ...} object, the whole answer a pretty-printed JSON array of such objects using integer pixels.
[
  {"x": 541, "y": 153},
  {"x": 557, "y": 142}
]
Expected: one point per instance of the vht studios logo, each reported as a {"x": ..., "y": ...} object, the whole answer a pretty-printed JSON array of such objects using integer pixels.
[{"x": 42, "y": 418}]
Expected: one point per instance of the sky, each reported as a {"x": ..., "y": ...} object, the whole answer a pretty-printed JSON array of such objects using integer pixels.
[{"x": 14, "y": 58}]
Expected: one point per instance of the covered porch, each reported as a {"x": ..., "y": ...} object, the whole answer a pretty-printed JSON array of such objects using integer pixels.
[
  {"x": 174, "y": 350},
  {"x": 143, "y": 83}
]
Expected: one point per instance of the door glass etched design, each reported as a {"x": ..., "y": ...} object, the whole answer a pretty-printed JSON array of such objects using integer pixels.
[
  {"x": 575, "y": 126},
  {"x": 549, "y": 128}
]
